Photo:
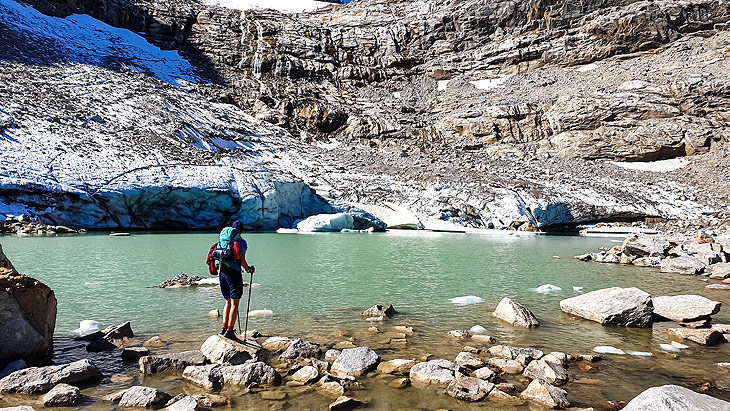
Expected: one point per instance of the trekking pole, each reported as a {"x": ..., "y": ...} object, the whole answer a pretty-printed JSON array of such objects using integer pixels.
[{"x": 248, "y": 306}]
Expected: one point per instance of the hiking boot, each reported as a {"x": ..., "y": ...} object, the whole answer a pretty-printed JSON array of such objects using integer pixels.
[
  {"x": 223, "y": 331},
  {"x": 231, "y": 335}
]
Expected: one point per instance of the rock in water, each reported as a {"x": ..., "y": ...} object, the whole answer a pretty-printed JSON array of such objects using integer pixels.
[
  {"x": 380, "y": 311},
  {"x": 305, "y": 374},
  {"x": 345, "y": 403},
  {"x": 396, "y": 366},
  {"x": 685, "y": 308},
  {"x": 152, "y": 364},
  {"x": 674, "y": 398},
  {"x": 301, "y": 349},
  {"x": 28, "y": 317},
  {"x": 682, "y": 265},
  {"x": 355, "y": 362},
  {"x": 468, "y": 388},
  {"x": 139, "y": 396},
  {"x": 62, "y": 395},
  {"x": 434, "y": 372},
  {"x": 545, "y": 394},
  {"x": 181, "y": 280},
  {"x": 549, "y": 371},
  {"x": 214, "y": 376},
  {"x": 134, "y": 353},
  {"x": 702, "y": 336},
  {"x": 612, "y": 306},
  {"x": 221, "y": 350},
  {"x": 515, "y": 314},
  {"x": 116, "y": 336},
  {"x": 36, "y": 380},
  {"x": 186, "y": 403}
]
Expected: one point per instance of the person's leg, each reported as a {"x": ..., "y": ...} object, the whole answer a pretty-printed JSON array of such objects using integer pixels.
[
  {"x": 226, "y": 292},
  {"x": 233, "y": 314},
  {"x": 226, "y": 311}
]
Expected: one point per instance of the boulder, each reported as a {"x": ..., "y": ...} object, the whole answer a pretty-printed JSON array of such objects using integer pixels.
[
  {"x": 35, "y": 380},
  {"x": 396, "y": 366},
  {"x": 12, "y": 367},
  {"x": 206, "y": 376},
  {"x": 682, "y": 265},
  {"x": 116, "y": 336},
  {"x": 684, "y": 308},
  {"x": 485, "y": 373},
  {"x": 152, "y": 364},
  {"x": 708, "y": 253},
  {"x": 612, "y": 306},
  {"x": 380, "y": 311},
  {"x": 180, "y": 280},
  {"x": 139, "y": 396},
  {"x": 345, "y": 403},
  {"x": 62, "y": 395},
  {"x": 434, "y": 372},
  {"x": 720, "y": 271},
  {"x": 469, "y": 360},
  {"x": 545, "y": 394},
  {"x": 642, "y": 245},
  {"x": 215, "y": 376},
  {"x": 134, "y": 353},
  {"x": 186, "y": 403},
  {"x": 219, "y": 350},
  {"x": 460, "y": 334},
  {"x": 511, "y": 353},
  {"x": 515, "y": 314},
  {"x": 277, "y": 343},
  {"x": 355, "y": 362},
  {"x": 674, "y": 398},
  {"x": 469, "y": 388},
  {"x": 326, "y": 222},
  {"x": 551, "y": 372},
  {"x": 299, "y": 349},
  {"x": 505, "y": 365},
  {"x": 306, "y": 374},
  {"x": 28, "y": 317},
  {"x": 702, "y": 336}
]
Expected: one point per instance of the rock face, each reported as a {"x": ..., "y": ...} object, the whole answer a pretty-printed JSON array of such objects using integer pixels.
[
  {"x": 28, "y": 316},
  {"x": 612, "y": 306},
  {"x": 36, "y": 380},
  {"x": 62, "y": 395},
  {"x": 434, "y": 372},
  {"x": 139, "y": 396},
  {"x": 545, "y": 394},
  {"x": 221, "y": 350},
  {"x": 674, "y": 398},
  {"x": 355, "y": 362},
  {"x": 152, "y": 364},
  {"x": 513, "y": 313},
  {"x": 685, "y": 308}
]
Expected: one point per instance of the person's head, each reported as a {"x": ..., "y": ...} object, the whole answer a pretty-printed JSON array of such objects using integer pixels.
[{"x": 238, "y": 226}]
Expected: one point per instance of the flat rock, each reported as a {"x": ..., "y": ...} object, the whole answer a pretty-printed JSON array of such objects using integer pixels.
[
  {"x": 545, "y": 394},
  {"x": 62, "y": 395},
  {"x": 515, "y": 314},
  {"x": 139, "y": 396},
  {"x": 380, "y": 311},
  {"x": 219, "y": 350},
  {"x": 612, "y": 306},
  {"x": 397, "y": 366},
  {"x": 345, "y": 403},
  {"x": 306, "y": 374},
  {"x": 186, "y": 403},
  {"x": 152, "y": 364},
  {"x": 682, "y": 265},
  {"x": 469, "y": 360},
  {"x": 485, "y": 373},
  {"x": 702, "y": 336},
  {"x": 434, "y": 372},
  {"x": 674, "y": 398},
  {"x": 485, "y": 339},
  {"x": 469, "y": 388},
  {"x": 35, "y": 380},
  {"x": 511, "y": 353},
  {"x": 505, "y": 365},
  {"x": 355, "y": 362},
  {"x": 685, "y": 308},
  {"x": 299, "y": 349},
  {"x": 134, "y": 353},
  {"x": 277, "y": 343}
]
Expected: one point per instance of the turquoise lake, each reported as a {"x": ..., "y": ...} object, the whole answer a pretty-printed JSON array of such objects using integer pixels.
[{"x": 316, "y": 285}]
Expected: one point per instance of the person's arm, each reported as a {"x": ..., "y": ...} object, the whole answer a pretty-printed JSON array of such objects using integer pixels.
[{"x": 243, "y": 262}]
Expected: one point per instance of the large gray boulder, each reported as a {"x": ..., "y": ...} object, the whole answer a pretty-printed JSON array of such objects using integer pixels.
[
  {"x": 642, "y": 245},
  {"x": 215, "y": 376},
  {"x": 469, "y": 388},
  {"x": 515, "y": 314},
  {"x": 28, "y": 317},
  {"x": 139, "y": 396},
  {"x": 682, "y": 265},
  {"x": 35, "y": 380},
  {"x": 511, "y": 353},
  {"x": 62, "y": 395},
  {"x": 355, "y": 362},
  {"x": 675, "y": 398},
  {"x": 299, "y": 349},
  {"x": 612, "y": 306},
  {"x": 434, "y": 372},
  {"x": 221, "y": 350},
  {"x": 152, "y": 364},
  {"x": 684, "y": 308},
  {"x": 548, "y": 371}
]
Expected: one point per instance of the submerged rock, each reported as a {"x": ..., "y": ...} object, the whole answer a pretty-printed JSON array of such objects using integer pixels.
[
  {"x": 685, "y": 308},
  {"x": 545, "y": 394},
  {"x": 612, "y": 306},
  {"x": 515, "y": 314},
  {"x": 469, "y": 388},
  {"x": 355, "y": 362},
  {"x": 152, "y": 364},
  {"x": 36, "y": 380},
  {"x": 139, "y": 396},
  {"x": 345, "y": 403},
  {"x": 62, "y": 395},
  {"x": 674, "y": 398}
]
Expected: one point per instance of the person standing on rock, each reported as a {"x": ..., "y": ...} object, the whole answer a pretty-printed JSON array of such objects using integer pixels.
[{"x": 227, "y": 258}]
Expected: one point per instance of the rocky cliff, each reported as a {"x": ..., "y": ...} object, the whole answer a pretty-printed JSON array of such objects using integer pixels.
[{"x": 499, "y": 114}]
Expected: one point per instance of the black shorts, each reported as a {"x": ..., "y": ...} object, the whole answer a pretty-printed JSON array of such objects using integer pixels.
[{"x": 231, "y": 282}]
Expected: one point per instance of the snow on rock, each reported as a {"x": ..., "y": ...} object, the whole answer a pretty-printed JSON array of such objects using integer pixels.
[
  {"x": 442, "y": 84},
  {"x": 326, "y": 222},
  {"x": 661, "y": 166},
  {"x": 285, "y": 6},
  {"x": 467, "y": 299},
  {"x": 607, "y": 349},
  {"x": 488, "y": 84},
  {"x": 639, "y": 353}
]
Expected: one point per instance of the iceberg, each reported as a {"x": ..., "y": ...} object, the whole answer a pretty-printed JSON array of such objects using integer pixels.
[
  {"x": 467, "y": 299},
  {"x": 326, "y": 222},
  {"x": 679, "y": 345},
  {"x": 546, "y": 288},
  {"x": 668, "y": 348},
  {"x": 477, "y": 329},
  {"x": 640, "y": 353},
  {"x": 87, "y": 327},
  {"x": 260, "y": 313},
  {"x": 577, "y": 288},
  {"x": 607, "y": 349}
]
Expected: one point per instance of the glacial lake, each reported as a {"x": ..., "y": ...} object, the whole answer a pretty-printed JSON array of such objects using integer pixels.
[{"x": 316, "y": 285}]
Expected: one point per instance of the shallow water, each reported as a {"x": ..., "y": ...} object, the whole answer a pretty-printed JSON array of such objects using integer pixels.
[{"x": 317, "y": 284}]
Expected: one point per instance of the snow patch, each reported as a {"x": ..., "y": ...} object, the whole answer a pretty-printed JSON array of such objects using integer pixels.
[
  {"x": 208, "y": 281},
  {"x": 679, "y": 345},
  {"x": 489, "y": 84},
  {"x": 607, "y": 349},
  {"x": 640, "y": 353},
  {"x": 661, "y": 166},
  {"x": 260, "y": 313},
  {"x": 284, "y": 6},
  {"x": 441, "y": 84},
  {"x": 546, "y": 288},
  {"x": 577, "y": 288},
  {"x": 587, "y": 67},
  {"x": 329, "y": 146},
  {"x": 668, "y": 348},
  {"x": 467, "y": 299},
  {"x": 396, "y": 94}
]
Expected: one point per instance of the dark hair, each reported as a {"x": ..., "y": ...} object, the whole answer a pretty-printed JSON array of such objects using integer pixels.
[{"x": 237, "y": 225}]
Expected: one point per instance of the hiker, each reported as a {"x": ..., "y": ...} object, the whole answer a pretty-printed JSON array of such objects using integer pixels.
[{"x": 230, "y": 255}]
